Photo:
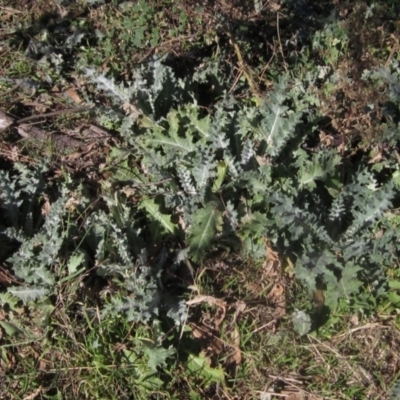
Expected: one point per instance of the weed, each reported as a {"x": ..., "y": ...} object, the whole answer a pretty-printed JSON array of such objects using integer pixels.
[{"x": 236, "y": 237}]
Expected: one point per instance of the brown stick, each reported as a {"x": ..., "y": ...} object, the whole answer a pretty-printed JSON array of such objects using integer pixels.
[{"x": 54, "y": 113}]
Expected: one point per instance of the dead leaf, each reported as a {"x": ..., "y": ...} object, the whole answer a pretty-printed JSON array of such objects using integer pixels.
[
  {"x": 90, "y": 131},
  {"x": 34, "y": 394},
  {"x": 296, "y": 396},
  {"x": 355, "y": 320},
  {"x": 197, "y": 332},
  {"x": 42, "y": 365},
  {"x": 212, "y": 301},
  {"x": 5, "y": 121},
  {"x": 72, "y": 204},
  {"x": 326, "y": 140},
  {"x": 319, "y": 300},
  {"x": 236, "y": 356},
  {"x": 276, "y": 292},
  {"x": 206, "y": 299},
  {"x": 12, "y": 152},
  {"x": 39, "y": 107},
  {"x": 46, "y": 207},
  {"x": 182, "y": 223},
  {"x": 275, "y": 6},
  {"x": 5, "y": 278},
  {"x": 73, "y": 94},
  {"x": 376, "y": 159},
  {"x": 63, "y": 12},
  {"x": 73, "y": 156},
  {"x": 277, "y": 297},
  {"x": 262, "y": 160},
  {"x": 240, "y": 306},
  {"x": 379, "y": 234},
  {"x": 131, "y": 110},
  {"x": 129, "y": 191},
  {"x": 271, "y": 254},
  {"x": 273, "y": 271},
  {"x": 214, "y": 344}
]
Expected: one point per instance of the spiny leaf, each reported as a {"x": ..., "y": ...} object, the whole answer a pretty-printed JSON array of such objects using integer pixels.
[
  {"x": 171, "y": 138},
  {"x": 207, "y": 222},
  {"x": 176, "y": 142},
  {"x": 154, "y": 211},
  {"x": 7, "y": 298},
  {"x": 43, "y": 275},
  {"x": 201, "y": 125},
  {"x": 310, "y": 174},
  {"x": 275, "y": 123},
  {"x": 345, "y": 287},
  {"x": 157, "y": 356},
  {"x": 27, "y": 294}
]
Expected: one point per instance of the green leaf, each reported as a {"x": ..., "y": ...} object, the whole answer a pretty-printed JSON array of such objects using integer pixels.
[
  {"x": 11, "y": 329},
  {"x": 176, "y": 142},
  {"x": 171, "y": 139},
  {"x": 394, "y": 284},
  {"x": 309, "y": 174},
  {"x": 153, "y": 210},
  {"x": 157, "y": 356},
  {"x": 315, "y": 264},
  {"x": 194, "y": 395},
  {"x": 131, "y": 356},
  {"x": 74, "y": 262},
  {"x": 199, "y": 365},
  {"x": 28, "y": 293},
  {"x": 394, "y": 298},
  {"x": 222, "y": 169},
  {"x": 43, "y": 275},
  {"x": 151, "y": 382},
  {"x": 333, "y": 186},
  {"x": 7, "y": 298},
  {"x": 275, "y": 123},
  {"x": 206, "y": 223},
  {"x": 301, "y": 322},
  {"x": 202, "y": 125},
  {"x": 349, "y": 282},
  {"x": 396, "y": 178},
  {"x": 348, "y": 285}
]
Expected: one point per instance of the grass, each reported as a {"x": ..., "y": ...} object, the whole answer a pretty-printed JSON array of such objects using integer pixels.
[{"x": 240, "y": 322}]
